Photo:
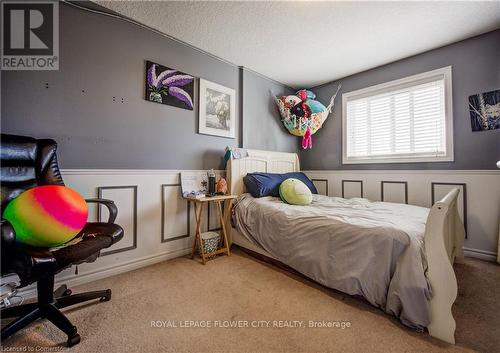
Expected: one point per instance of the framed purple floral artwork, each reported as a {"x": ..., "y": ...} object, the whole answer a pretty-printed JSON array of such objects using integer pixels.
[{"x": 168, "y": 86}]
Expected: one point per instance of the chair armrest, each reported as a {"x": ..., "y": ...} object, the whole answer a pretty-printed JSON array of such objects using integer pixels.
[
  {"x": 8, "y": 242},
  {"x": 8, "y": 234},
  {"x": 113, "y": 210}
]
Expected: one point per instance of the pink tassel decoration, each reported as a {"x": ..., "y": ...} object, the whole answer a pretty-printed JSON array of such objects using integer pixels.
[{"x": 307, "y": 139}]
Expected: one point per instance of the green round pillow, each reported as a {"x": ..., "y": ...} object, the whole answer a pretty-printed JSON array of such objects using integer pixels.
[{"x": 295, "y": 192}]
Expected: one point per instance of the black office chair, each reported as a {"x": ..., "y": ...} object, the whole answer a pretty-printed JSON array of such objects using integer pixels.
[{"x": 25, "y": 163}]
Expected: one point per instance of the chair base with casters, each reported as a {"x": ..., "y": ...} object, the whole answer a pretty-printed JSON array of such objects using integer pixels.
[
  {"x": 48, "y": 307},
  {"x": 45, "y": 264}
]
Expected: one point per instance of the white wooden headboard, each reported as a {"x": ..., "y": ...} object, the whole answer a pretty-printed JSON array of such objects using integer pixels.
[{"x": 259, "y": 161}]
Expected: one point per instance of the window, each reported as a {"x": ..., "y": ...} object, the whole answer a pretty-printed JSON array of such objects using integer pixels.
[{"x": 407, "y": 120}]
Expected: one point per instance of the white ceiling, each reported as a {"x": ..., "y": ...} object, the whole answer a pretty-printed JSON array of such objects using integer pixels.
[{"x": 304, "y": 44}]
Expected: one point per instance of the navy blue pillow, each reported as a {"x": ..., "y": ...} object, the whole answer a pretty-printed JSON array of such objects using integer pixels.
[
  {"x": 268, "y": 184},
  {"x": 263, "y": 184},
  {"x": 303, "y": 178}
]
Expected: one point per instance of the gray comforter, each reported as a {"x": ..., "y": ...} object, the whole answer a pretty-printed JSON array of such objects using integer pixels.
[{"x": 372, "y": 249}]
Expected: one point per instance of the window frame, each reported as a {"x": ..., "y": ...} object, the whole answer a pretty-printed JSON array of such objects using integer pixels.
[{"x": 409, "y": 81}]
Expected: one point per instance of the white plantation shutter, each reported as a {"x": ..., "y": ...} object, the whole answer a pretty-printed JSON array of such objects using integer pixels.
[{"x": 402, "y": 121}]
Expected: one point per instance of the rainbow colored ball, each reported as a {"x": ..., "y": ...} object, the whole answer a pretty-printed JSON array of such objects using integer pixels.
[{"x": 47, "y": 216}]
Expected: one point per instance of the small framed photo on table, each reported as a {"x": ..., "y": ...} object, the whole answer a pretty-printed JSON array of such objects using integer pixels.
[
  {"x": 193, "y": 184},
  {"x": 217, "y": 110}
]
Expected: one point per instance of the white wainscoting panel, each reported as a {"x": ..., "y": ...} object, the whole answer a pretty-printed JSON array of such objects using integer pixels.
[
  {"x": 480, "y": 202},
  {"x": 175, "y": 221},
  {"x": 321, "y": 186},
  {"x": 125, "y": 199},
  {"x": 394, "y": 191},
  {"x": 352, "y": 188},
  {"x": 154, "y": 189}
]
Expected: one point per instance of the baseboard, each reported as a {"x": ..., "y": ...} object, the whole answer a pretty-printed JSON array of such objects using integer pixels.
[
  {"x": 481, "y": 254},
  {"x": 73, "y": 280}
]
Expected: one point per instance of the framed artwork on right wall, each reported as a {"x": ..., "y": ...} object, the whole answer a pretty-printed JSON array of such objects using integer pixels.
[
  {"x": 217, "y": 110},
  {"x": 484, "y": 111}
]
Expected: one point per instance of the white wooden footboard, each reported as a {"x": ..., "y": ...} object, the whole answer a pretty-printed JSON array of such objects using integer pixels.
[{"x": 444, "y": 238}]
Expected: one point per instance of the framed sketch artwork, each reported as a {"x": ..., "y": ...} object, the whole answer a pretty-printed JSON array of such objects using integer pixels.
[
  {"x": 217, "y": 110},
  {"x": 484, "y": 111}
]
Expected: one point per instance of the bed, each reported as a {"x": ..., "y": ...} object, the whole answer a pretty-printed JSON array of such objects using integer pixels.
[{"x": 411, "y": 247}]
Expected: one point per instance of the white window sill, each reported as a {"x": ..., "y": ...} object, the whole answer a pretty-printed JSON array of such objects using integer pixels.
[{"x": 374, "y": 160}]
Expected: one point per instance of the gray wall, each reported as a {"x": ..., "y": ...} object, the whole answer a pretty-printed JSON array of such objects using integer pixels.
[
  {"x": 103, "y": 62},
  {"x": 475, "y": 68},
  {"x": 262, "y": 127}
]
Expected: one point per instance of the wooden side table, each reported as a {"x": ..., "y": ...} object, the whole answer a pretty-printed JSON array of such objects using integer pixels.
[{"x": 198, "y": 206}]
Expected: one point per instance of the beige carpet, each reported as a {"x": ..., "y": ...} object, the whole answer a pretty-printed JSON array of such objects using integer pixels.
[{"x": 241, "y": 288}]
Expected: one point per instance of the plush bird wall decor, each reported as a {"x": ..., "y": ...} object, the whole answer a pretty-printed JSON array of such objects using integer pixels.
[{"x": 303, "y": 115}]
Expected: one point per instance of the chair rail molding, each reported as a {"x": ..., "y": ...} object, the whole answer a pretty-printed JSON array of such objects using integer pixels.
[
  {"x": 131, "y": 171},
  {"x": 479, "y": 205}
]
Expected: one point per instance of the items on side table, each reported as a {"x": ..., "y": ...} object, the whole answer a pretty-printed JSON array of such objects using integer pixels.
[
  {"x": 198, "y": 185},
  {"x": 211, "y": 182},
  {"x": 221, "y": 186},
  {"x": 193, "y": 184}
]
